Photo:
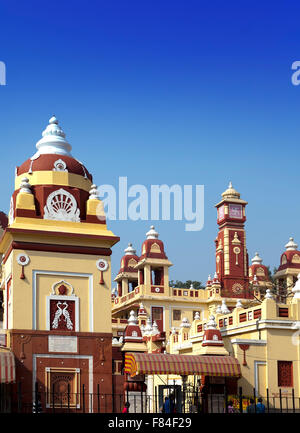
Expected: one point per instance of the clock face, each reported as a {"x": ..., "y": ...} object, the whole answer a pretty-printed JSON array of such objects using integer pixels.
[
  {"x": 221, "y": 213},
  {"x": 235, "y": 211}
]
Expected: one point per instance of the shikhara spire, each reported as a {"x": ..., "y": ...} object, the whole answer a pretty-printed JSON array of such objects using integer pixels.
[{"x": 53, "y": 140}]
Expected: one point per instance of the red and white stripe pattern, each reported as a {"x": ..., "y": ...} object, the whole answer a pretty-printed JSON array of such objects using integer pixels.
[{"x": 208, "y": 365}]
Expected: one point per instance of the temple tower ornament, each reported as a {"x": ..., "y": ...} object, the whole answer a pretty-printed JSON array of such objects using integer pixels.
[
  {"x": 61, "y": 206},
  {"x": 102, "y": 265}
]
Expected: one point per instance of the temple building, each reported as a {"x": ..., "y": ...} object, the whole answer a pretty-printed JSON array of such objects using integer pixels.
[
  {"x": 71, "y": 341},
  {"x": 56, "y": 278}
]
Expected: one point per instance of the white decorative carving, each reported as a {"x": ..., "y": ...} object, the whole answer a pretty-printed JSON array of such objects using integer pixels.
[
  {"x": 102, "y": 265},
  {"x": 23, "y": 259},
  {"x": 61, "y": 206},
  {"x": 60, "y": 165},
  {"x": 62, "y": 312}
]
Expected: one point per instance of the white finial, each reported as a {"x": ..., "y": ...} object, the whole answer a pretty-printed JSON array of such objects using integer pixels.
[
  {"x": 230, "y": 185},
  {"x": 129, "y": 250},
  {"x": 296, "y": 288},
  {"x": 152, "y": 234},
  {"x": 211, "y": 324},
  {"x": 94, "y": 193},
  {"x": 209, "y": 278},
  {"x": 185, "y": 323},
  {"x": 132, "y": 319},
  {"x": 197, "y": 316},
  {"x": 148, "y": 327},
  {"x": 268, "y": 294},
  {"x": 238, "y": 304},
  {"x": 155, "y": 330},
  {"x": 191, "y": 286},
  {"x": 25, "y": 186},
  {"x": 224, "y": 308},
  {"x": 291, "y": 245},
  {"x": 53, "y": 141},
  {"x": 216, "y": 278},
  {"x": 256, "y": 260}
]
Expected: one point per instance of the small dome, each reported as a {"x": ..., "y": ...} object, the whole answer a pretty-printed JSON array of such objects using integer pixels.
[
  {"x": 129, "y": 251},
  {"x": 53, "y": 140},
  {"x": 230, "y": 192},
  {"x": 153, "y": 247},
  {"x": 256, "y": 260},
  {"x": 291, "y": 245},
  {"x": 152, "y": 234}
]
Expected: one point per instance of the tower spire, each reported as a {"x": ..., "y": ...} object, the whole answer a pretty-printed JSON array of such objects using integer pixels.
[{"x": 53, "y": 140}]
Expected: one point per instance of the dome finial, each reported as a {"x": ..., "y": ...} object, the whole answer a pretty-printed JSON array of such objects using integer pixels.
[
  {"x": 256, "y": 260},
  {"x": 230, "y": 192},
  {"x": 53, "y": 140},
  {"x": 152, "y": 234},
  {"x": 129, "y": 250},
  {"x": 291, "y": 245}
]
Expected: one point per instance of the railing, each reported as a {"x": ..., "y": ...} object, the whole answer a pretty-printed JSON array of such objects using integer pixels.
[{"x": 184, "y": 400}]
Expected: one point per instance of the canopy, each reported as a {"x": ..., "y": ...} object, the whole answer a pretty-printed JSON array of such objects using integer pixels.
[
  {"x": 157, "y": 363},
  {"x": 7, "y": 367}
]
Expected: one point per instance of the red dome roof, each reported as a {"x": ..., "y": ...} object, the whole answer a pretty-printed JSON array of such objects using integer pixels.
[{"x": 45, "y": 162}]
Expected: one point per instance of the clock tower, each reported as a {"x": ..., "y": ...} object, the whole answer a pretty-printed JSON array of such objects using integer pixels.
[{"x": 231, "y": 251}]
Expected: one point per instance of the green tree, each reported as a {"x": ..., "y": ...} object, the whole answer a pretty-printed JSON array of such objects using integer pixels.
[{"x": 186, "y": 284}]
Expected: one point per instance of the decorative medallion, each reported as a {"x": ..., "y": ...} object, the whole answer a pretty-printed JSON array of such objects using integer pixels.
[
  {"x": 237, "y": 288},
  {"x": 60, "y": 165},
  {"x": 23, "y": 260},
  {"x": 236, "y": 251},
  {"x": 102, "y": 265},
  {"x": 61, "y": 206}
]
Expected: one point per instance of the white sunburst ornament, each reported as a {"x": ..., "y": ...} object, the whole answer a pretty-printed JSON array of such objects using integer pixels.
[
  {"x": 23, "y": 260},
  {"x": 102, "y": 265}
]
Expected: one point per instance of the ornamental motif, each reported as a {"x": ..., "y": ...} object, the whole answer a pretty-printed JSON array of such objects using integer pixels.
[
  {"x": 23, "y": 260},
  {"x": 61, "y": 206},
  {"x": 62, "y": 315},
  {"x": 102, "y": 265},
  {"x": 60, "y": 165},
  {"x": 237, "y": 288}
]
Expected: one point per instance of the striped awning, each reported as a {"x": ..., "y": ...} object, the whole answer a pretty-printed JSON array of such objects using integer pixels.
[
  {"x": 7, "y": 367},
  {"x": 157, "y": 363}
]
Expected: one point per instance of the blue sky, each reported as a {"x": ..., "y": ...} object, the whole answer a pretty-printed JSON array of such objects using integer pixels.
[{"x": 181, "y": 92}]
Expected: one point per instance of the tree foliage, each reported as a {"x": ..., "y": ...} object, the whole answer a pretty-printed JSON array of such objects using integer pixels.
[{"x": 186, "y": 284}]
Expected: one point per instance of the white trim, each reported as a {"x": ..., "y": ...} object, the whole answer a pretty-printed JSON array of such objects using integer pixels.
[
  {"x": 62, "y": 297},
  {"x": 35, "y": 273},
  {"x": 89, "y": 357},
  {"x": 256, "y": 364},
  {"x": 248, "y": 341}
]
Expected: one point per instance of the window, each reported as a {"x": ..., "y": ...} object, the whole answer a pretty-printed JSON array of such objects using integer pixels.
[
  {"x": 176, "y": 315},
  {"x": 285, "y": 373}
]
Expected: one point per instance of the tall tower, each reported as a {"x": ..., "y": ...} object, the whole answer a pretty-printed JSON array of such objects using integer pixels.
[
  {"x": 56, "y": 277},
  {"x": 231, "y": 251}
]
